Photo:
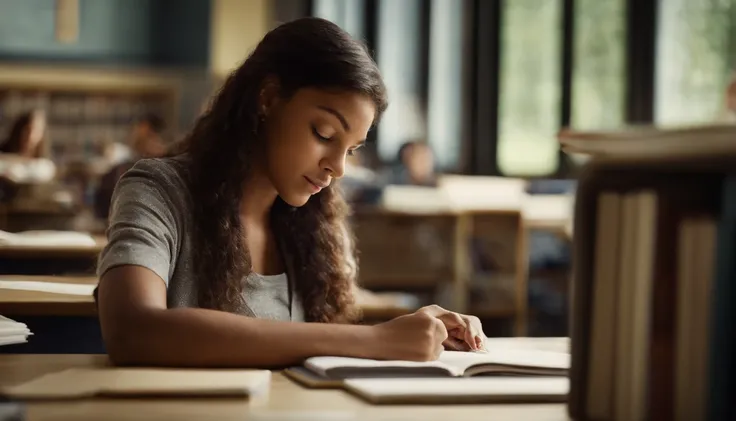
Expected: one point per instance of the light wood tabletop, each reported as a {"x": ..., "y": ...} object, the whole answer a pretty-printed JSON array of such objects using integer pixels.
[
  {"x": 285, "y": 401},
  {"x": 54, "y": 251},
  {"x": 17, "y": 302}
]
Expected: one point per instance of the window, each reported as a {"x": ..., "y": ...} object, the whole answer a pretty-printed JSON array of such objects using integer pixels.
[
  {"x": 599, "y": 64},
  {"x": 696, "y": 52},
  {"x": 398, "y": 56},
  {"x": 530, "y": 88},
  {"x": 348, "y": 14},
  {"x": 445, "y": 81}
]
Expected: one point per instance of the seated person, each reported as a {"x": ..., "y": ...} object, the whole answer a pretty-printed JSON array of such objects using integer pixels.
[
  {"x": 234, "y": 251},
  {"x": 415, "y": 165},
  {"x": 26, "y": 136},
  {"x": 145, "y": 142},
  {"x": 22, "y": 159}
]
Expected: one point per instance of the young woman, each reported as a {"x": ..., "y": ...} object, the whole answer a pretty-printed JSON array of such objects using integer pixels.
[{"x": 234, "y": 251}]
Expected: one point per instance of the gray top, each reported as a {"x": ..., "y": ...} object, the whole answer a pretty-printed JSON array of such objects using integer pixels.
[{"x": 151, "y": 226}]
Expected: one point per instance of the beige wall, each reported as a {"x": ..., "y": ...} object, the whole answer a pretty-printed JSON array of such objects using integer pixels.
[{"x": 237, "y": 26}]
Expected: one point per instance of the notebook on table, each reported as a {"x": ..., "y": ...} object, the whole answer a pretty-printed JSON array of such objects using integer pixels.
[
  {"x": 474, "y": 390},
  {"x": 76, "y": 383},
  {"x": 326, "y": 372}
]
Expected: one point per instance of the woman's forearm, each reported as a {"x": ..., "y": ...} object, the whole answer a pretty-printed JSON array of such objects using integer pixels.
[{"x": 205, "y": 338}]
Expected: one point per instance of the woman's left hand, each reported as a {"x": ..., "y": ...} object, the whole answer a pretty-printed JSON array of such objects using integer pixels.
[{"x": 465, "y": 333}]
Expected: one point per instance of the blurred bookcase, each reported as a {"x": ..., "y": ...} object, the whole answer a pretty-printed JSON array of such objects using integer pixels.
[{"x": 82, "y": 121}]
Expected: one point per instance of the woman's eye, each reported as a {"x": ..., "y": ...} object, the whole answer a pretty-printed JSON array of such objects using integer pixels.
[
  {"x": 351, "y": 152},
  {"x": 318, "y": 135}
]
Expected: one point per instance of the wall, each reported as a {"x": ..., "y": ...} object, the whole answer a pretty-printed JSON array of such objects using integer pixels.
[
  {"x": 139, "y": 32},
  {"x": 192, "y": 44},
  {"x": 237, "y": 27},
  {"x": 181, "y": 32}
]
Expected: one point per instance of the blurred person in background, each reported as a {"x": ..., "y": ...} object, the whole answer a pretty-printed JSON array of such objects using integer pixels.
[
  {"x": 23, "y": 150},
  {"x": 360, "y": 184},
  {"x": 415, "y": 165},
  {"x": 146, "y": 141},
  {"x": 26, "y": 136}
]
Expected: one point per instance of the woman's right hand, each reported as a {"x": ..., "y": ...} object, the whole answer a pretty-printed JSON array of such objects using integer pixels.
[{"x": 414, "y": 337}]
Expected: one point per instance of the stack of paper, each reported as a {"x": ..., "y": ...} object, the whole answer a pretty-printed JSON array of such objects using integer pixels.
[
  {"x": 12, "y": 332},
  {"x": 652, "y": 141}
]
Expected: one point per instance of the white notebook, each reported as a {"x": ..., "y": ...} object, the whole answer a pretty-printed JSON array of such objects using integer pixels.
[
  {"x": 475, "y": 390},
  {"x": 500, "y": 361}
]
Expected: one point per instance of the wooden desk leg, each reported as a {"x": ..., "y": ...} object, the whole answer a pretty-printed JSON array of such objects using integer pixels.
[
  {"x": 521, "y": 322},
  {"x": 461, "y": 262}
]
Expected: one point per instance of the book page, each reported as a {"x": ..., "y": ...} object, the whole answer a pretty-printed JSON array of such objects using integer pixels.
[
  {"x": 10, "y": 330},
  {"x": 554, "y": 344},
  {"x": 602, "y": 339},
  {"x": 12, "y": 340},
  {"x": 342, "y": 367},
  {"x": 511, "y": 358},
  {"x": 453, "y": 363}
]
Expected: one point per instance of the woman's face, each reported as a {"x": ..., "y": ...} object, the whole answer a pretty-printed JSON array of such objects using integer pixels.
[{"x": 308, "y": 138}]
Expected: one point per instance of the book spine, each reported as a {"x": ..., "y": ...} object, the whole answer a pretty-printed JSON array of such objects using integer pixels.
[{"x": 722, "y": 361}]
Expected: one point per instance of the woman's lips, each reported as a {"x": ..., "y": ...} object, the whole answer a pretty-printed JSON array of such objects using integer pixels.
[{"x": 316, "y": 185}]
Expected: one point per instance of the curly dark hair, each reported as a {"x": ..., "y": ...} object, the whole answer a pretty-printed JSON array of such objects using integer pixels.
[{"x": 305, "y": 53}]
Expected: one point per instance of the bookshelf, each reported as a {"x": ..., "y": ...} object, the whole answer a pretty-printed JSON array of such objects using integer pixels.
[
  {"x": 82, "y": 121},
  {"x": 653, "y": 297}
]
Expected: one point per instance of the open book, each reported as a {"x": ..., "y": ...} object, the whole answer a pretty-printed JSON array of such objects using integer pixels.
[{"x": 520, "y": 362}]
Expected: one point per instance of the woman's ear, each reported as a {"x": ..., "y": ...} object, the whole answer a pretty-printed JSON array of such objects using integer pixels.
[{"x": 269, "y": 95}]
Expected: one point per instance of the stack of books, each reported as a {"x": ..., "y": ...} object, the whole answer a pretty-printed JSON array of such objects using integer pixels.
[
  {"x": 12, "y": 332},
  {"x": 654, "y": 286}
]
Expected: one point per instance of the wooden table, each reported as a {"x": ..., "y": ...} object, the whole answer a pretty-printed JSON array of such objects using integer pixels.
[
  {"x": 285, "y": 401},
  {"x": 14, "y": 302},
  {"x": 47, "y": 260},
  {"x": 60, "y": 323}
]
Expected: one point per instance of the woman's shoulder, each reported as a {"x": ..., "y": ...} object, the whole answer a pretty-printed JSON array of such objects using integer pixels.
[
  {"x": 170, "y": 172},
  {"x": 156, "y": 178}
]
